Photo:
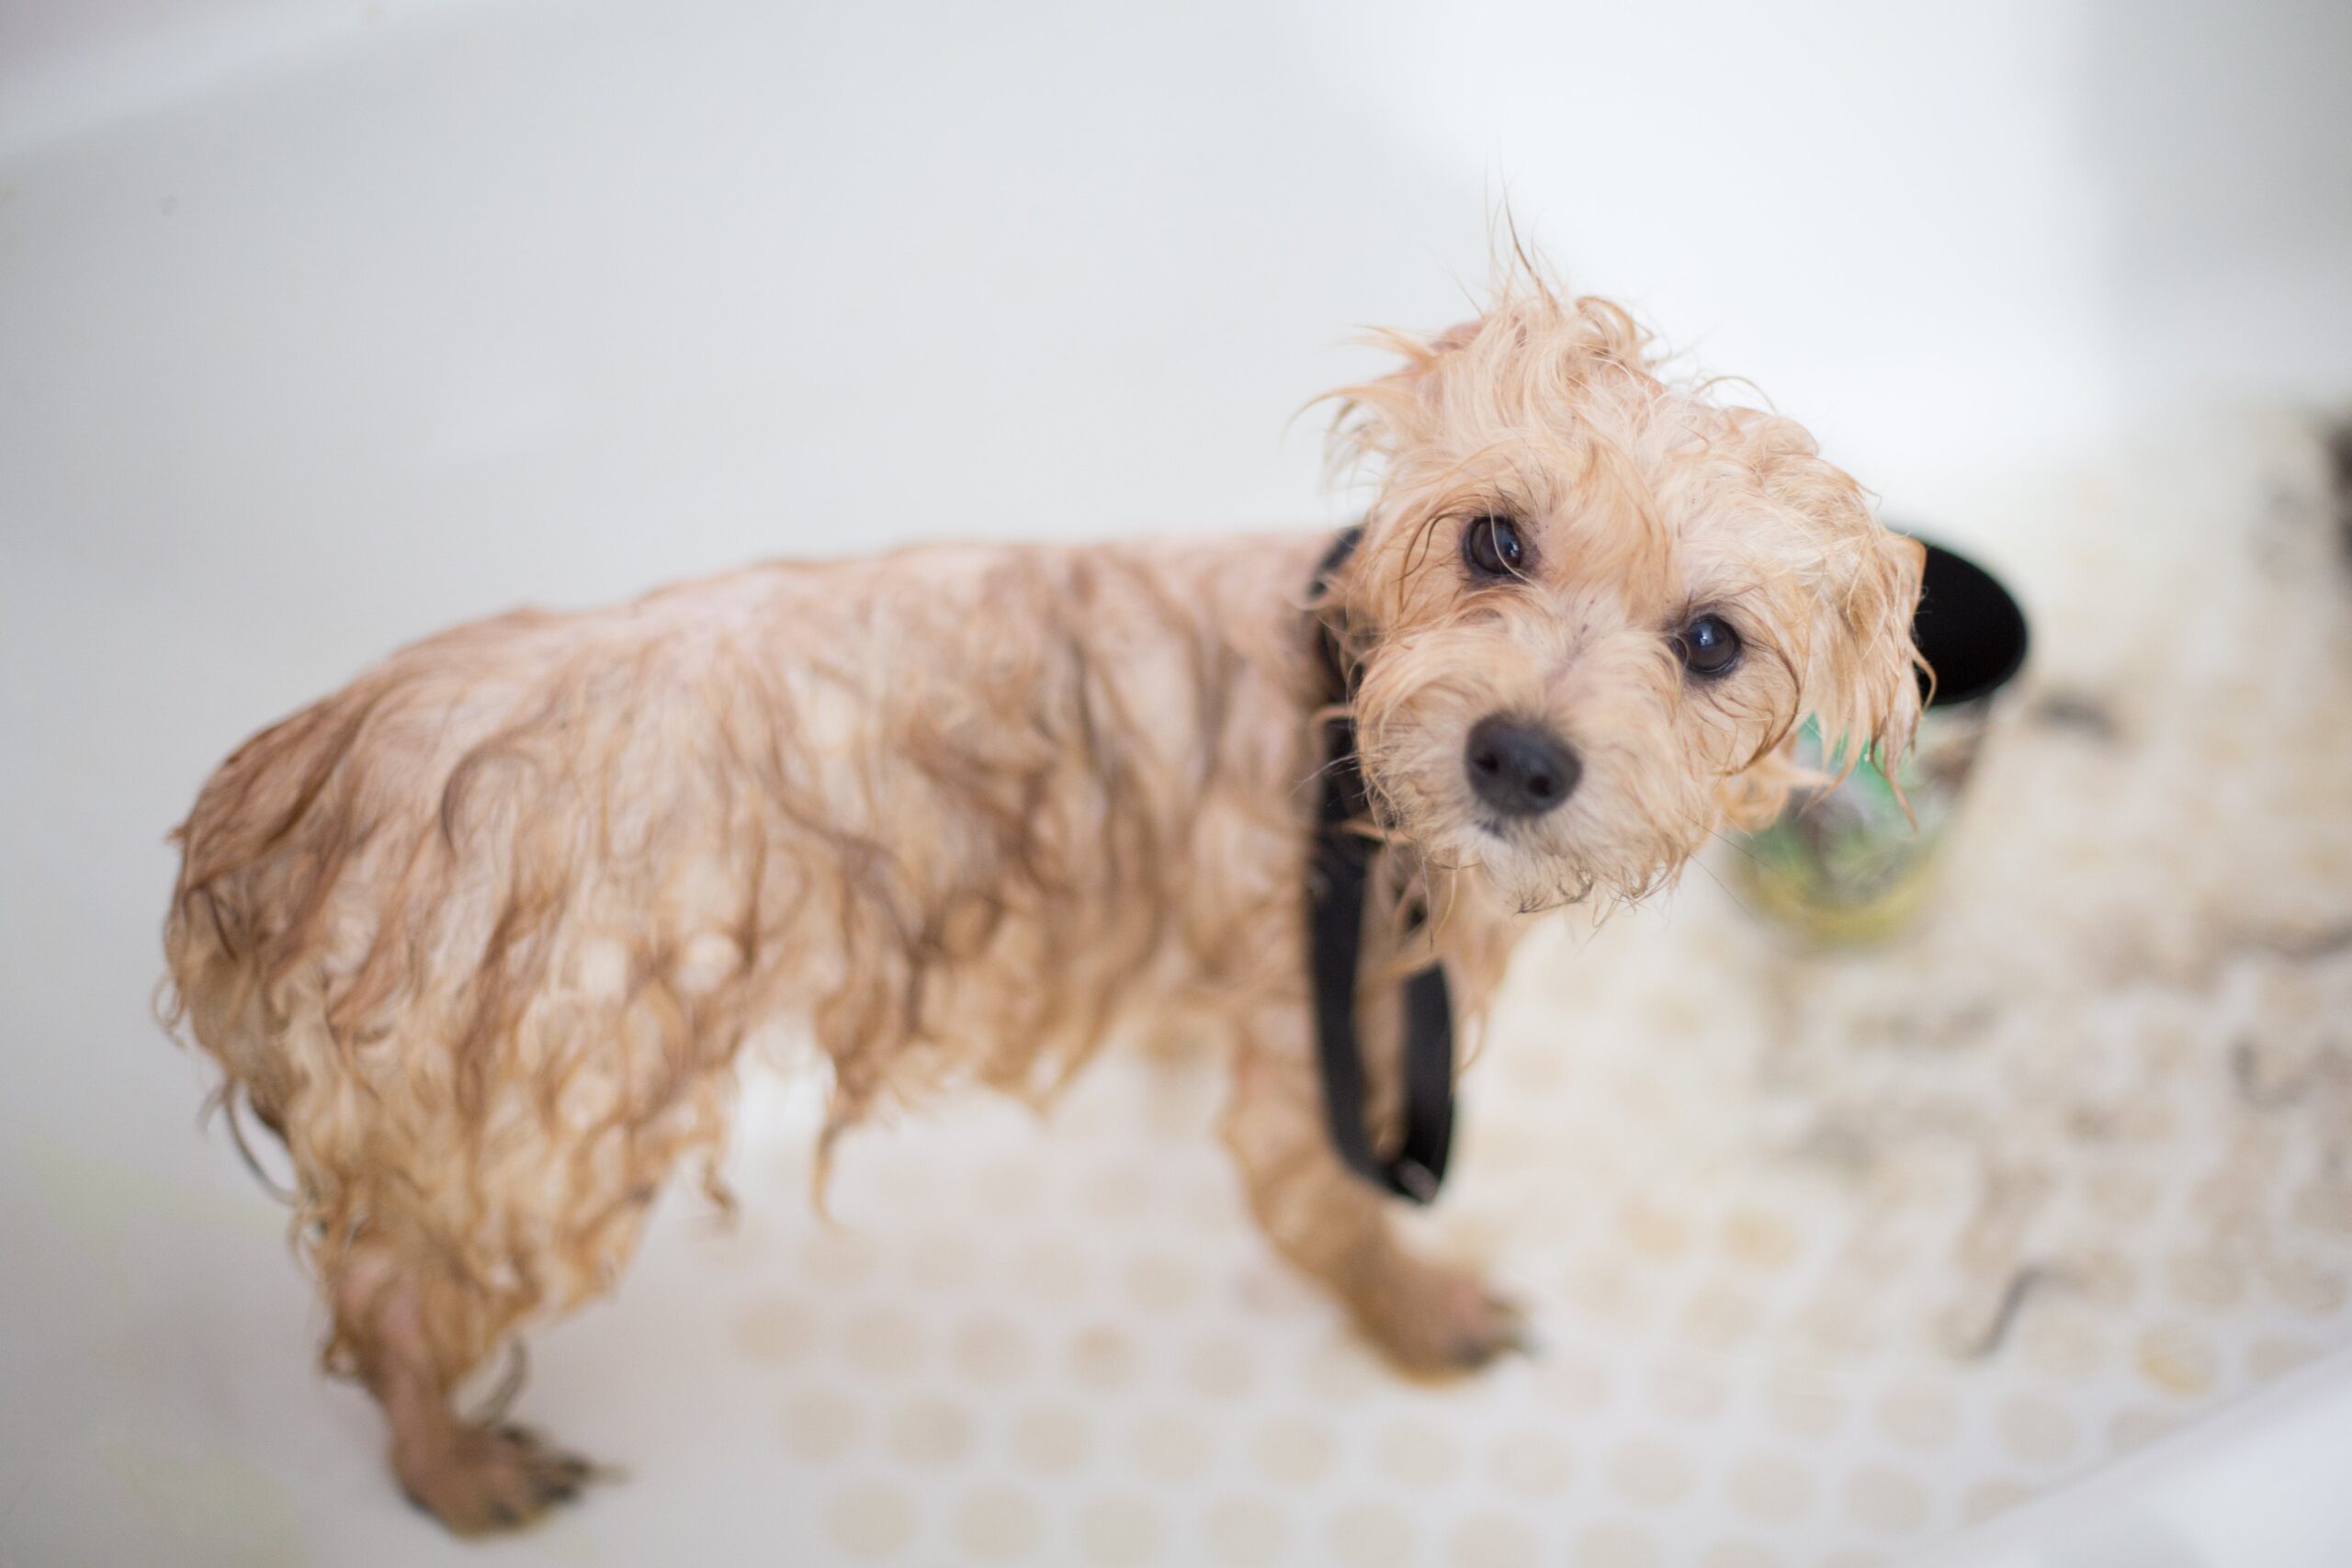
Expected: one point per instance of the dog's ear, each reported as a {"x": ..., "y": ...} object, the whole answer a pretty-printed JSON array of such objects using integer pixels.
[
  {"x": 1858, "y": 673},
  {"x": 1863, "y": 680}
]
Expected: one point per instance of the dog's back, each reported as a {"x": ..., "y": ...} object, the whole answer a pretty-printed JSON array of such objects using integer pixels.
[{"x": 480, "y": 935}]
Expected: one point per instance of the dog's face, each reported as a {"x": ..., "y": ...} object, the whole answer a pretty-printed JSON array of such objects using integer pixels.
[{"x": 1590, "y": 608}]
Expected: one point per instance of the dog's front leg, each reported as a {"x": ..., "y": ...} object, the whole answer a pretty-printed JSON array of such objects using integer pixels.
[{"x": 1430, "y": 1318}]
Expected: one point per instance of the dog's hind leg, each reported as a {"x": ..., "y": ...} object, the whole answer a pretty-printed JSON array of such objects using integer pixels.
[
  {"x": 395, "y": 1317},
  {"x": 1428, "y": 1318}
]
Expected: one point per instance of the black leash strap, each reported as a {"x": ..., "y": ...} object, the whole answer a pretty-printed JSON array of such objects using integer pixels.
[{"x": 1335, "y": 910}]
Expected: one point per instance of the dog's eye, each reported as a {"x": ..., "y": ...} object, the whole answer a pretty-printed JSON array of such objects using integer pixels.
[
  {"x": 1493, "y": 547},
  {"x": 1708, "y": 646}
]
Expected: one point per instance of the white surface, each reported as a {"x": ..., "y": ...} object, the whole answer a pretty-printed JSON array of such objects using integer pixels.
[
  {"x": 321, "y": 327},
  {"x": 2258, "y": 1486}
]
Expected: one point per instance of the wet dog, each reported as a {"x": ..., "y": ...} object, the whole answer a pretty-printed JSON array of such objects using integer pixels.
[{"x": 481, "y": 937}]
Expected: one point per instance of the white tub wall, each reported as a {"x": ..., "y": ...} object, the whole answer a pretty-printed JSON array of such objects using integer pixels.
[{"x": 726, "y": 258}]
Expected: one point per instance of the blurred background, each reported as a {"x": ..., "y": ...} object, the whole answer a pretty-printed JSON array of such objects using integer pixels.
[{"x": 2022, "y": 1238}]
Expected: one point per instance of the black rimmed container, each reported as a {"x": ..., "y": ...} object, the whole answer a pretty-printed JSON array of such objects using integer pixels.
[{"x": 1849, "y": 864}]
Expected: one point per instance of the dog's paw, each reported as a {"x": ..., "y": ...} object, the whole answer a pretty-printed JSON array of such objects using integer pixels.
[
  {"x": 491, "y": 1479},
  {"x": 1434, "y": 1321}
]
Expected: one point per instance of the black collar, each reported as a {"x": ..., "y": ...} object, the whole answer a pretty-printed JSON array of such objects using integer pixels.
[{"x": 1342, "y": 865}]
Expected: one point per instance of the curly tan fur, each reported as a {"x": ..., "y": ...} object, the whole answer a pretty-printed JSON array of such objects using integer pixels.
[{"x": 483, "y": 936}]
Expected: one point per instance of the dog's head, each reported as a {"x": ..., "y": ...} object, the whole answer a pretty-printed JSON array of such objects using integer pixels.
[{"x": 1590, "y": 608}]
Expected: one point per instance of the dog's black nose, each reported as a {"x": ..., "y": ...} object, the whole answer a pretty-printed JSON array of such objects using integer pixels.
[{"x": 1519, "y": 769}]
